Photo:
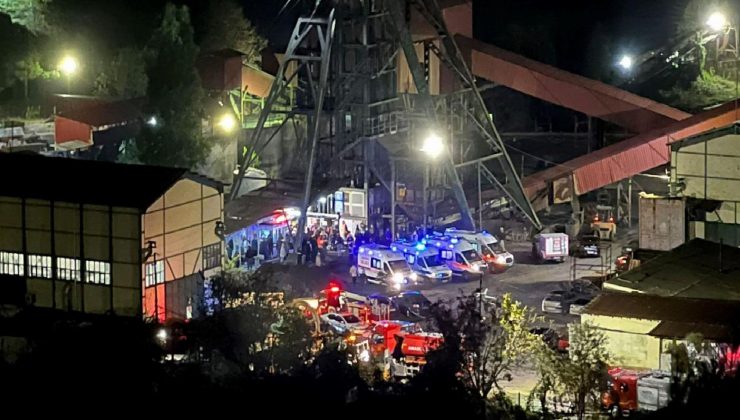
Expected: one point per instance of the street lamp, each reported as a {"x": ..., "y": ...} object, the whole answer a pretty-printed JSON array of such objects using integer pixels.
[
  {"x": 227, "y": 122},
  {"x": 626, "y": 62},
  {"x": 68, "y": 66},
  {"x": 433, "y": 145},
  {"x": 717, "y": 21}
]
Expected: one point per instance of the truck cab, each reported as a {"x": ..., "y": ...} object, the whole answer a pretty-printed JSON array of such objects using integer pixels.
[
  {"x": 460, "y": 256},
  {"x": 425, "y": 261},
  {"x": 380, "y": 265},
  {"x": 631, "y": 391},
  {"x": 487, "y": 245}
]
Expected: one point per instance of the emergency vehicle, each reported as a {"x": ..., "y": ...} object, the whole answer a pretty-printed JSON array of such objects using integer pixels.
[
  {"x": 381, "y": 265},
  {"x": 425, "y": 262},
  {"x": 402, "y": 347},
  {"x": 459, "y": 255},
  {"x": 631, "y": 391},
  {"x": 487, "y": 245}
]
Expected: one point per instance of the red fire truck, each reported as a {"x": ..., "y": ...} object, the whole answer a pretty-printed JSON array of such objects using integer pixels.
[
  {"x": 630, "y": 391},
  {"x": 402, "y": 347}
]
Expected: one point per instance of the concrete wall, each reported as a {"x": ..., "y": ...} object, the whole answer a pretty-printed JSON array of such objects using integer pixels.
[
  {"x": 628, "y": 340},
  {"x": 182, "y": 224},
  {"x": 58, "y": 233},
  {"x": 662, "y": 223}
]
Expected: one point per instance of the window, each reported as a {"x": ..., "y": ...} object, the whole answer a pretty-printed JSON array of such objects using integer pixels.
[
  {"x": 410, "y": 258},
  {"x": 97, "y": 272},
  {"x": 11, "y": 263},
  {"x": 39, "y": 266},
  {"x": 459, "y": 258},
  {"x": 212, "y": 256},
  {"x": 375, "y": 263},
  {"x": 154, "y": 273},
  {"x": 446, "y": 254},
  {"x": 68, "y": 268}
]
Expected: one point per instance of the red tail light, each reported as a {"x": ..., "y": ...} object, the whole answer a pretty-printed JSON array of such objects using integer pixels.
[{"x": 611, "y": 220}]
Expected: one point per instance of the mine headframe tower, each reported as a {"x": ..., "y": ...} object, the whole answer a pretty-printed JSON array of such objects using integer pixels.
[{"x": 374, "y": 78}]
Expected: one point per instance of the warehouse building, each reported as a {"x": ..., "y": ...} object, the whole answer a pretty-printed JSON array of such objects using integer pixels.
[
  {"x": 97, "y": 237},
  {"x": 639, "y": 328}
]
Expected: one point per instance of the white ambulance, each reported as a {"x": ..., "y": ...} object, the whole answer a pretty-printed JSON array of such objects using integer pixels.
[
  {"x": 493, "y": 253},
  {"x": 425, "y": 262},
  {"x": 380, "y": 265},
  {"x": 459, "y": 255}
]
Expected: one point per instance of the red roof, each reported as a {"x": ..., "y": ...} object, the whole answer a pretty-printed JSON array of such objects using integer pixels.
[
  {"x": 100, "y": 114},
  {"x": 629, "y": 157},
  {"x": 566, "y": 89}
]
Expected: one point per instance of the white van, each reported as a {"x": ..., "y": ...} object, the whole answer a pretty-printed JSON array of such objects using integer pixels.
[
  {"x": 459, "y": 255},
  {"x": 380, "y": 265},
  {"x": 493, "y": 253},
  {"x": 425, "y": 262}
]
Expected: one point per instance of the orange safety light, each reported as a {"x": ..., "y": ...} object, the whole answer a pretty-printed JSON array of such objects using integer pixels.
[
  {"x": 596, "y": 218},
  {"x": 611, "y": 220}
]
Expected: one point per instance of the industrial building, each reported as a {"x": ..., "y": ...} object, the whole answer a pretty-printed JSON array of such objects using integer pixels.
[
  {"x": 640, "y": 327},
  {"x": 705, "y": 169},
  {"x": 696, "y": 269},
  {"x": 97, "y": 237}
]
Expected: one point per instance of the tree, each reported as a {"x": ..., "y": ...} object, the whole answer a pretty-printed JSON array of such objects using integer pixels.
[
  {"x": 484, "y": 346},
  {"x": 225, "y": 27},
  {"x": 583, "y": 372},
  {"x": 124, "y": 76},
  {"x": 250, "y": 327},
  {"x": 175, "y": 96},
  {"x": 29, "y": 13},
  {"x": 31, "y": 68}
]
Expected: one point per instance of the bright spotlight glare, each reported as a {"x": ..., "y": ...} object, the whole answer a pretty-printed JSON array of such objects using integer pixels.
[
  {"x": 717, "y": 21},
  {"x": 227, "y": 122},
  {"x": 68, "y": 65},
  {"x": 433, "y": 145},
  {"x": 626, "y": 62}
]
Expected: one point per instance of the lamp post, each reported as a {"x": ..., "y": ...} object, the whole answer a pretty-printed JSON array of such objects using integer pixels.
[
  {"x": 68, "y": 66},
  {"x": 718, "y": 22},
  {"x": 432, "y": 146}
]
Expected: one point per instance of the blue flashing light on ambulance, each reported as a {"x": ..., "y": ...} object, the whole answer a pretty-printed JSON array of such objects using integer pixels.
[
  {"x": 426, "y": 262},
  {"x": 490, "y": 248},
  {"x": 459, "y": 255},
  {"x": 380, "y": 265}
]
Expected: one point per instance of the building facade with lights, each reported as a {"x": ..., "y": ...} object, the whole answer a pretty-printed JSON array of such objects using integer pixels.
[{"x": 96, "y": 237}]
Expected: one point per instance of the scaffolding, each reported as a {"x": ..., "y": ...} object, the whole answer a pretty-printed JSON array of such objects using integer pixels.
[{"x": 368, "y": 85}]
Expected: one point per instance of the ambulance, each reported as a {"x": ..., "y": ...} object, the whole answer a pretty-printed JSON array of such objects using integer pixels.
[
  {"x": 460, "y": 256},
  {"x": 492, "y": 252},
  {"x": 380, "y": 265},
  {"x": 425, "y": 262}
]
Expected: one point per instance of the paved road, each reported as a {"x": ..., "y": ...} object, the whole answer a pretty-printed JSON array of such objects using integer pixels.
[{"x": 526, "y": 281}]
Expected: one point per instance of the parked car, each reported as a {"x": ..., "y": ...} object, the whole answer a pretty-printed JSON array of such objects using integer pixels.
[
  {"x": 557, "y": 302},
  {"x": 413, "y": 303},
  {"x": 577, "y": 306},
  {"x": 341, "y": 322},
  {"x": 587, "y": 247},
  {"x": 551, "y": 338}
]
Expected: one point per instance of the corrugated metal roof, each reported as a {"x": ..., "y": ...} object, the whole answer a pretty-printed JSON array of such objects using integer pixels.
[
  {"x": 84, "y": 181},
  {"x": 109, "y": 113},
  {"x": 691, "y": 270},
  {"x": 714, "y": 332},
  {"x": 660, "y": 308},
  {"x": 629, "y": 157},
  {"x": 568, "y": 90}
]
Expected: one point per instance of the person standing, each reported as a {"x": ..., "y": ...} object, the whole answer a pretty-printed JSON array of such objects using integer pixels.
[
  {"x": 353, "y": 273},
  {"x": 283, "y": 251}
]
